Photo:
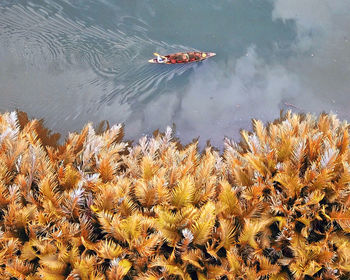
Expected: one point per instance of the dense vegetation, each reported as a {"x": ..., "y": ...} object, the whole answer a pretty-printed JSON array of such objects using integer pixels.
[{"x": 275, "y": 206}]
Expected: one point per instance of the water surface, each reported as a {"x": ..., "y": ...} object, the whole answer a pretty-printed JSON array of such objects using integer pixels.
[{"x": 74, "y": 61}]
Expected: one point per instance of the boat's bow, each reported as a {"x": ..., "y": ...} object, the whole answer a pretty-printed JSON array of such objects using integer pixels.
[{"x": 210, "y": 54}]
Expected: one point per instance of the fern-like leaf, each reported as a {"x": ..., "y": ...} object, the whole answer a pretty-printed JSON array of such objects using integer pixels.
[{"x": 203, "y": 226}]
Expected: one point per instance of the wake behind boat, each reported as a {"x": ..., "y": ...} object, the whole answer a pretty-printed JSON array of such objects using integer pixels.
[{"x": 181, "y": 57}]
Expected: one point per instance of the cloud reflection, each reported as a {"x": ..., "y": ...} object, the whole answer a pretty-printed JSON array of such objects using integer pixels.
[{"x": 223, "y": 97}]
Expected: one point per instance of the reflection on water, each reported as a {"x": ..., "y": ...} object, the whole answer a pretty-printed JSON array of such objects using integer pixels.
[{"x": 71, "y": 62}]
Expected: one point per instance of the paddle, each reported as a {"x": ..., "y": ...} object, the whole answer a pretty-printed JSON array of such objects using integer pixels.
[{"x": 157, "y": 54}]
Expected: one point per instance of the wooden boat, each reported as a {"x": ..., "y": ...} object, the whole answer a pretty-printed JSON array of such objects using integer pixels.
[{"x": 181, "y": 57}]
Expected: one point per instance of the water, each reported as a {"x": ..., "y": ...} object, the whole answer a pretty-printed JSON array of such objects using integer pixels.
[{"x": 75, "y": 61}]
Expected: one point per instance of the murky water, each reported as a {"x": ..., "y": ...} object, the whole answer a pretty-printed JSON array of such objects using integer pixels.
[{"x": 74, "y": 61}]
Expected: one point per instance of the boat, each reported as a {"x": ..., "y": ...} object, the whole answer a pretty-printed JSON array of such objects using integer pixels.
[{"x": 181, "y": 57}]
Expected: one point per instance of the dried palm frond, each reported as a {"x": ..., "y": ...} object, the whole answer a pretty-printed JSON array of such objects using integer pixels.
[
  {"x": 274, "y": 206},
  {"x": 229, "y": 205},
  {"x": 118, "y": 269},
  {"x": 342, "y": 217},
  {"x": 250, "y": 230},
  {"x": 182, "y": 194},
  {"x": 18, "y": 269},
  {"x": 107, "y": 249},
  {"x": 171, "y": 224},
  {"x": 227, "y": 233},
  {"x": 203, "y": 226}
]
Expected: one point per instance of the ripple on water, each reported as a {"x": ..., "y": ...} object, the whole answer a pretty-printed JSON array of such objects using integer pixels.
[{"x": 43, "y": 34}]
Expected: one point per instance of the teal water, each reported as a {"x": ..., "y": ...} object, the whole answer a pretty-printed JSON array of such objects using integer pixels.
[{"x": 72, "y": 61}]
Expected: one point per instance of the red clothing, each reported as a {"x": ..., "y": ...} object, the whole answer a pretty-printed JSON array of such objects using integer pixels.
[
  {"x": 179, "y": 58},
  {"x": 194, "y": 56}
]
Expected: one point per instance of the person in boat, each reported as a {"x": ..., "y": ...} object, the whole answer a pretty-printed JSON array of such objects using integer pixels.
[
  {"x": 160, "y": 58},
  {"x": 179, "y": 58},
  {"x": 192, "y": 56},
  {"x": 195, "y": 56}
]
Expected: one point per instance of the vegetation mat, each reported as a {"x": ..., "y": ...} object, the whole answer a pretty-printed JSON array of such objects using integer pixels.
[{"x": 275, "y": 206}]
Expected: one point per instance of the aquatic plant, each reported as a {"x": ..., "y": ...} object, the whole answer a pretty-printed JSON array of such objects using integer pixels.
[{"x": 274, "y": 206}]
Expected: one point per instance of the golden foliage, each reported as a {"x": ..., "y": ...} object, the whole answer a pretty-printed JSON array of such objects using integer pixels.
[{"x": 275, "y": 206}]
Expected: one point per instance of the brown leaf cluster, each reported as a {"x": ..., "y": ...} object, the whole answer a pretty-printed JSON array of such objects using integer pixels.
[{"x": 275, "y": 206}]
